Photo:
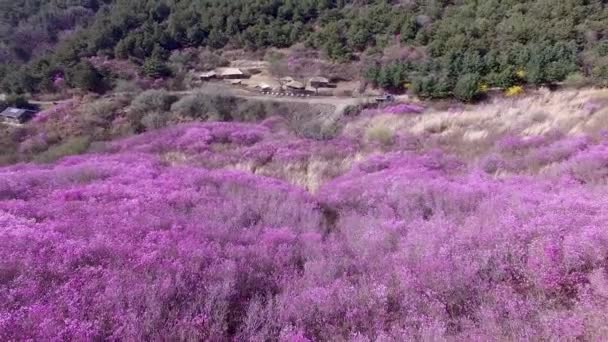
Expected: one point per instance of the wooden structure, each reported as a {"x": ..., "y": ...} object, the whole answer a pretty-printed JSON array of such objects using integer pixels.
[
  {"x": 16, "y": 115},
  {"x": 319, "y": 82},
  {"x": 264, "y": 87},
  {"x": 295, "y": 86},
  {"x": 286, "y": 80},
  {"x": 207, "y": 75},
  {"x": 231, "y": 74}
]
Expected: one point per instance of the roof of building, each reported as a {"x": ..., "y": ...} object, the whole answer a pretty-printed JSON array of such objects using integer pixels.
[
  {"x": 15, "y": 113},
  {"x": 295, "y": 85},
  {"x": 230, "y": 71},
  {"x": 319, "y": 79},
  {"x": 207, "y": 74},
  {"x": 264, "y": 86}
]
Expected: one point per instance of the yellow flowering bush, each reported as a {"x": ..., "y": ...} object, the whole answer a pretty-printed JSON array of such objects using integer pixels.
[
  {"x": 514, "y": 91},
  {"x": 483, "y": 87}
]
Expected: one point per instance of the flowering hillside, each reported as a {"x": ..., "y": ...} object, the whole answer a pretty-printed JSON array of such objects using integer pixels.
[{"x": 231, "y": 231}]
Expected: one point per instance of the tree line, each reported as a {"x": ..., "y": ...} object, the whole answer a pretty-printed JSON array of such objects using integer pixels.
[{"x": 460, "y": 48}]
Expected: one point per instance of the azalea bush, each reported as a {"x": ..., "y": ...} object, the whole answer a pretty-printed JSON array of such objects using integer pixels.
[
  {"x": 165, "y": 236},
  {"x": 404, "y": 108}
]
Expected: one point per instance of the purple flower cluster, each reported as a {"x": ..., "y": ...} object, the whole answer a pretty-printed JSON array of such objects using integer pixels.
[
  {"x": 56, "y": 112},
  {"x": 58, "y": 81},
  {"x": 579, "y": 157},
  {"x": 592, "y": 106},
  {"x": 222, "y": 144},
  {"x": 401, "y": 108},
  {"x": 122, "y": 245},
  {"x": 404, "y": 108}
]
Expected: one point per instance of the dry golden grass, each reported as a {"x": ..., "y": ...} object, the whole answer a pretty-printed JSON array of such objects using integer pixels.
[
  {"x": 472, "y": 129},
  {"x": 175, "y": 158},
  {"x": 380, "y": 133},
  {"x": 309, "y": 174},
  {"x": 470, "y": 132}
]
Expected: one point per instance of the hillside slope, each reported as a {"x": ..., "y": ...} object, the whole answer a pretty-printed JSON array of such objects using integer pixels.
[
  {"x": 29, "y": 29},
  {"x": 198, "y": 232},
  {"x": 434, "y": 48}
]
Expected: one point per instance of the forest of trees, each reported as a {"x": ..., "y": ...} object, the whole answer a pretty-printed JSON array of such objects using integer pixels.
[
  {"x": 31, "y": 28},
  {"x": 457, "y": 46}
]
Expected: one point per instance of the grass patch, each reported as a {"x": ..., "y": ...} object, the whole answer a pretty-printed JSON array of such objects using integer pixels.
[{"x": 72, "y": 146}]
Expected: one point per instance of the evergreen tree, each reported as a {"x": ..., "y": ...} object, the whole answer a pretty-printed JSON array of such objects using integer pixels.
[
  {"x": 467, "y": 87},
  {"x": 154, "y": 67},
  {"x": 84, "y": 76}
]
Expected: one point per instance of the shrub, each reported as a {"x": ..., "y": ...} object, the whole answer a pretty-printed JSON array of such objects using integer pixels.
[
  {"x": 250, "y": 110},
  {"x": 381, "y": 134},
  {"x": 155, "y": 68},
  {"x": 86, "y": 77},
  {"x": 189, "y": 106},
  {"x": 310, "y": 121},
  {"x": 590, "y": 166},
  {"x": 152, "y": 100},
  {"x": 431, "y": 86},
  {"x": 483, "y": 88},
  {"x": 209, "y": 60},
  {"x": 504, "y": 79},
  {"x": 491, "y": 164},
  {"x": 404, "y": 108},
  {"x": 34, "y": 145},
  {"x": 97, "y": 117},
  {"x": 196, "y": 106},
  {"x": 467, "y": 88},
  {"x": 103, "y": 109},
  {"x": 353, "y": 110},
  {"x": 125, "y": 86},
  {"x": 68, "y": 147},
  {"x": 317, "y": 129},
  {"x": 155, "y": 120},
  {"x": 577, "y": 80},
  {"x": 514, "y": 91}
]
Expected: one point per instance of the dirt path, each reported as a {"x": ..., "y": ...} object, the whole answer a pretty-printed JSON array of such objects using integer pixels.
[
  {"x": 340, "y": 103},
  {"x": 44, "y": 105}
]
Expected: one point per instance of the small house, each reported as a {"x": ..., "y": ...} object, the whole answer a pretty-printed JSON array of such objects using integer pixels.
[
  {"x": 264, "y": 87},
  {"x": 319, "y": 82},
  {"x": 207, "y": 75},
  {"x": 231, "y": 74},
  {"x": 286, "y": 80},
  {"x": 16, "y": 115},
  {"x": 295, "y": 86},
  {"x": 311, "y": 90}
]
